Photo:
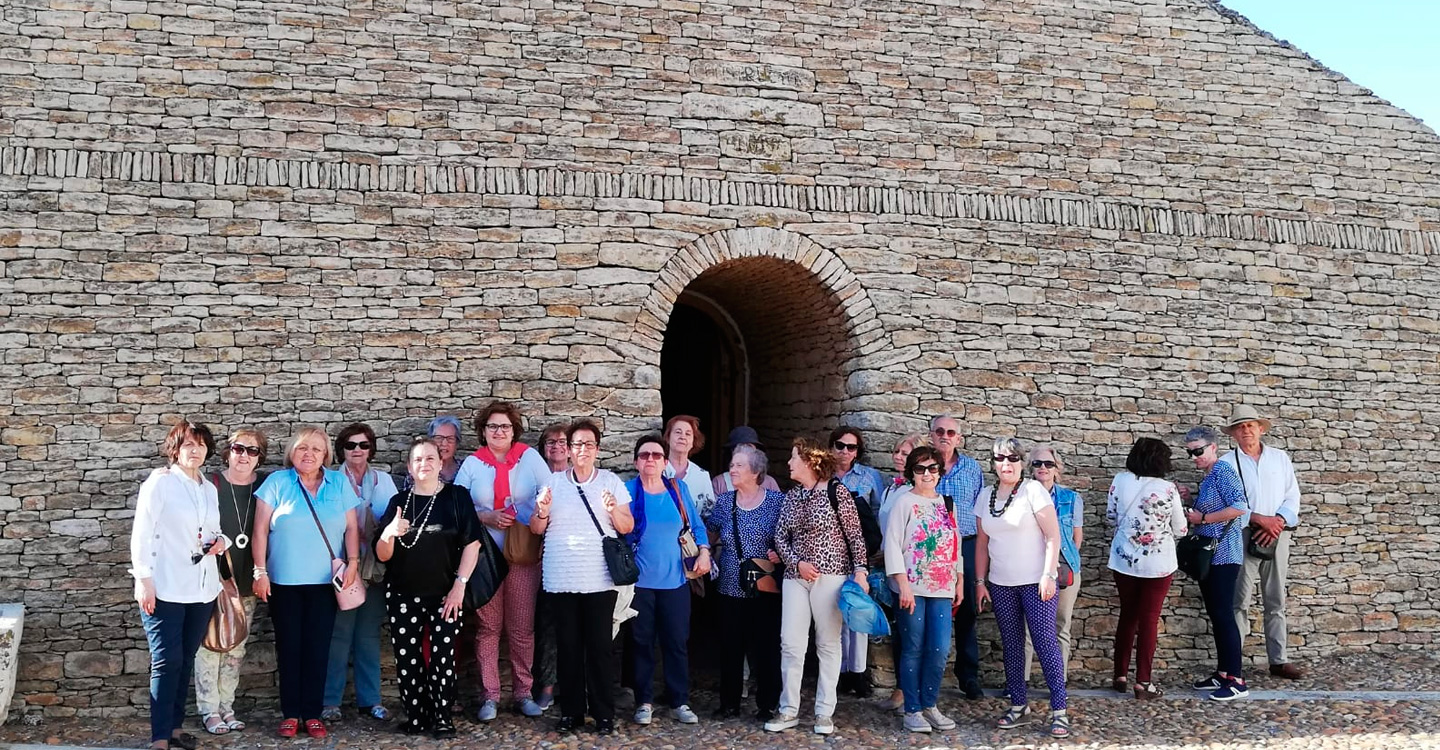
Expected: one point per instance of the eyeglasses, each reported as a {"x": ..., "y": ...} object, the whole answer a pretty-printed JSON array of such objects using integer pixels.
[
  {"x": 1198, "y": 452},
  {"x": 585, "y": 445},
  {"x": 839, "y": 446},
  {"x": 499, "y": 427},
  {"x": 354, "y": 445},
  {"x": 1042, "y": 464},
  {"x": 942, "y": 432},
  {"x": 928, "y": 469},
  {"x": 649, "y": 456},
  {"x": 1006, "y": 459},
  {"x": 252, "y": 451},
  {"x": 444, "y": 439},
  {"x": 555, "y": 443}
]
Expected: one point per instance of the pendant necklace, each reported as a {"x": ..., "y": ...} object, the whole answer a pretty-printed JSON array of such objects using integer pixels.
[
  {"x": 1009, "y": 499},
  {"x": 242, "y": 540},
  {"x": 418, "y": 528}
]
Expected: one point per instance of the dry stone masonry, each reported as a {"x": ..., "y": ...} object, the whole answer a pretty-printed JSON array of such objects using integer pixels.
[{"x": 1073, "y": 222}]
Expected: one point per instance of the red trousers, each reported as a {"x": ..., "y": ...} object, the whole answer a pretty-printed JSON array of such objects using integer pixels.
[{"x": 1140, "y": 603}]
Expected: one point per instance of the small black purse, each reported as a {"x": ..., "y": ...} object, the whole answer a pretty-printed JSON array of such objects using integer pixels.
[{"x": 619, "y": 558}]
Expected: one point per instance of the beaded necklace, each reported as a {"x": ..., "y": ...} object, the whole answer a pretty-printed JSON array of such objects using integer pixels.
[
  {"x": 1009, "y": 499},
  {"x": 418, "y": 528}
]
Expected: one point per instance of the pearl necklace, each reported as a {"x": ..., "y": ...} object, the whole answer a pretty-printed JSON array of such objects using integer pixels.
[{"x": 419, "y": 528}]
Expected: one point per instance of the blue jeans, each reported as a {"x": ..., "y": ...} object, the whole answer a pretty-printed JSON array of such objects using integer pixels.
[
  {"x": 174, "y": 632},
  {"x": 662, "y": 615},
  {"x": 967, "y": 645},
  {"x": 924, "y": 647},
  {"x": 356, "y": 639}
]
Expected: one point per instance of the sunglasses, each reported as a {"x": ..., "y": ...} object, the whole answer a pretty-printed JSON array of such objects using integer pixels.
[
  {"x": 927, "y": 469},
  {"x": 1198, "y": 452},
  {"x": 354, "y": 445},
  {"x": 649, "y": 456},
  {"x": 839, "y": 446},
  {"x": 1042, "y": 464},
  {"x": 252, "y": 451},
  {"x": 942, "y": 432},
  {"x": 1006, "y": 459}
]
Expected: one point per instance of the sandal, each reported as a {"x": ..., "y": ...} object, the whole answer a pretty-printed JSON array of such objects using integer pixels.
[
  {"x": 1017, "y": 716},
  {"x": 1146, "y": 691},
  {"x": 330, "y": 714},
  {"x": 1120, "y": 685},
  {"x": 1059, "y": 725},
  {"x": 216, "y": 725},
  {"x": 288, "y": 728},
  {"x": 235, "y": 724}
]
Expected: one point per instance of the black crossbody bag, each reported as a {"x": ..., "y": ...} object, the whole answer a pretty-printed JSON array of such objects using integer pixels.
[{"x": 619, "y": 559}]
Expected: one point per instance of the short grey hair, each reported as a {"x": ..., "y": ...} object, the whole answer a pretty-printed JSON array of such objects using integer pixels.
[
  {"x": 754, "y": 458},
  {"x": 445, "y": 419},
  {"x": 1046, "y": 448},
  {"x": 936, "y": 419},
  {"x": 1203, "y": 432},
  {"x": 1007, "y": 446}
]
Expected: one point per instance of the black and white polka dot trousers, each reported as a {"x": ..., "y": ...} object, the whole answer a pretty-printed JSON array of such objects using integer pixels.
[{"x": 426, "y": 684}]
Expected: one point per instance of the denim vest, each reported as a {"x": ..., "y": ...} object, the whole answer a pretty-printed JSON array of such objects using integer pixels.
[{"x": 1065, "y": 498}]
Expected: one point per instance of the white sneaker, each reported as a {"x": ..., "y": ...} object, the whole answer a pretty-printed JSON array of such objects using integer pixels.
[
  {"x": 684, "y": 715},
  {"x": 916, "y": 723},
  {"x": 782, "y": 721},
  {"x": 936, "y": 719},
  {"x": 644, "y": 713},
  {"x": 824, "y": 725}
]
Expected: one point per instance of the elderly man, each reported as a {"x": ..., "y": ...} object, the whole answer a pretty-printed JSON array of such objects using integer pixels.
[
  {"x": 1274, "y": 495},
  {"x": 961, "y": 482}
]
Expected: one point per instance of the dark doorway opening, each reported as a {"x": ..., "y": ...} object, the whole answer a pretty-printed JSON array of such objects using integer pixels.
[{"x": 705, "y": 373}]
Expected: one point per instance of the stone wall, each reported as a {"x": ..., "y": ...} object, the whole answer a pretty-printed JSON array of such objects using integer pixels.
[{"x": 1079, "y": 225}]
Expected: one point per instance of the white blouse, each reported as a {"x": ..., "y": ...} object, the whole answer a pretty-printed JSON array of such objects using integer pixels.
[
  {"x": 573, "y": 561},
  {"x": 528, "y": 475},
  {"x": 175, "y": 516},
  {"x": 1016, "y": 544}
]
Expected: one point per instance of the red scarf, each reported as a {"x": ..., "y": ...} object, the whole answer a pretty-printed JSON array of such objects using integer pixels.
[{"x": 502, "y": 467}]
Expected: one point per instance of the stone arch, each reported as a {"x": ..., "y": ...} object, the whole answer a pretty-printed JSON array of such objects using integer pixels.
[{"x": 806, "y": 320}]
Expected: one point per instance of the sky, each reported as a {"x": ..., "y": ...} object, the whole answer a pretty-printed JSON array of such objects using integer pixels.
[{"x": 1388, "y": 46}]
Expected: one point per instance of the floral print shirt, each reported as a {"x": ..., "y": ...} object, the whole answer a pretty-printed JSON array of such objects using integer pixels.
[
  {"x": 922, "y": 542},
  {"x": 1148, "y": 517}
]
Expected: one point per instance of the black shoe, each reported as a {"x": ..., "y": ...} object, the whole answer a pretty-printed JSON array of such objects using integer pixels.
[
  {"x": 604, "y": 726},
  {"x": 764, "y": 714},
  {"x": 568, "y": 724},
  {"x": 972, "y": 691},
  {"x": 443, "y": 731},
  {"x": 862, "y": 686},
  {"x": 728, "y": 712}
]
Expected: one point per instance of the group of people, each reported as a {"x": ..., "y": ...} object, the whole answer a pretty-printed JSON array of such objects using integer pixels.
[{"x": 591, "y": 556}]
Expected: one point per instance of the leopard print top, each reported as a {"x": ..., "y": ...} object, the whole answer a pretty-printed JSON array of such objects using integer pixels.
[{"x": 808, "y": 531}]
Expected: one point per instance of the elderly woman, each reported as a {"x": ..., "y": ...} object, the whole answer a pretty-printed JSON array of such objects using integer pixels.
[
  {"x": 356, "y": 639},
  {"x": 927, "y": 574},
  {"x": 1017, "y": 556},
  {"x": 216, "y": 674},
  {"x": 503, "y": 476},
  {"x": 1046, "y": 466},
  {"x": 445, "y": 431},
  {"x": 847, "y": 445},
  {"x": 557, "y": 457},
  {"x": 741, "y": 436},
  {"x": 1220, "y": 513},
  {"x": 821, "y": 544},
  {"x": 556, "y": 448},
  {"x": 430, "y": 541},
  {"x": 1145, "y": 510},
  {"x": 304, "y": 518},
  {"x": 684, "y": 438},
  {"x": 895, "y": 488},
  {"x": 173, "y": 544},
  {"x": 575, "y": 511},
  {"x": 744, "y": 521},
  {"x": 663, "y": 510}
]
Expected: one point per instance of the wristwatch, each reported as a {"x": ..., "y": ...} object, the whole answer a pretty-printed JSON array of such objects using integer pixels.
[
  {"x": 463, "y": 579},
  {"x": 1053, "y": 576}
]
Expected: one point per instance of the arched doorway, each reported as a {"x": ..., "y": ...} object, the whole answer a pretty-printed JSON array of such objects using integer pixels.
[{"x": 757, "y": 340}]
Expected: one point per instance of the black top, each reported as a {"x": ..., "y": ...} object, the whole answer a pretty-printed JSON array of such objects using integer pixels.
[
  {"x": 427, "y": 565},
  {"x": 237, "y": 516}
]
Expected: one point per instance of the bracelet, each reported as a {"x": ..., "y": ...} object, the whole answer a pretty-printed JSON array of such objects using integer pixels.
[
  {"x": 1053, "y": 576},
  {"x": 261, "y": 573},
  {"x": 545, "y": 517}
]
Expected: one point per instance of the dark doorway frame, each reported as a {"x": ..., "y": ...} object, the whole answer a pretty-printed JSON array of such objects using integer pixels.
[{"x": 701, "y": 338}]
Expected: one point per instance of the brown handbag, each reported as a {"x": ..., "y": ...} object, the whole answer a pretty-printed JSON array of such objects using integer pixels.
[
  {"x": 228, "y": 627},
  {"x": 521, "y": 546}
]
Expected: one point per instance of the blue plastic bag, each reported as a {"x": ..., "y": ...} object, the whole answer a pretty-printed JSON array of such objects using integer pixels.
[
  {"x": 880, "y": 589},
  {"x": 861, "y": 613}
]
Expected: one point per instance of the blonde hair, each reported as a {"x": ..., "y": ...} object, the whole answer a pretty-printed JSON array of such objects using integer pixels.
[
  {"x": 1047, "y": 448},
  {"x": 820, "y": 461},
  {"x": 308, "y": 431},
  {"x": 914, "y": 440},
  {"x": 254, "y": 434}
]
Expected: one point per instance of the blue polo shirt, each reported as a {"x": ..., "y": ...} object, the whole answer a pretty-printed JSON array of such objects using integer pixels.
[{"x": 296, "y": 554}]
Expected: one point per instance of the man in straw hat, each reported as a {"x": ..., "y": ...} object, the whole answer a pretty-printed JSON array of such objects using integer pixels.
[{"x": 1274, "y": 495}]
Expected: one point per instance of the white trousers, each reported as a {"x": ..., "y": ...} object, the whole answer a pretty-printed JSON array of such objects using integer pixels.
[{"x": 802, "y": 603}]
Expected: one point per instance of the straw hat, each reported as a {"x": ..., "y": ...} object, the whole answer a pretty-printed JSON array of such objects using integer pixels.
[{"x": 1242, "y": 414}]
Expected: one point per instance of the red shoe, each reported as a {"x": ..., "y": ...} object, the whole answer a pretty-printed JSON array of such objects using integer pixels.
[
  {"x": 288, "y": 728},
  {"x": 315, "y": 728}
]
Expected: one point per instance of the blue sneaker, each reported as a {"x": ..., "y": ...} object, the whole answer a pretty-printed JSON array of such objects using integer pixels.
[
  {"x": 1211, "y": 683},
  {"x": 1231, "y": 691}
]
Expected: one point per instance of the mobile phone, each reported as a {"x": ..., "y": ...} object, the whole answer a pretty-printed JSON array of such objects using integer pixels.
[{"x": 338, "y": 581}]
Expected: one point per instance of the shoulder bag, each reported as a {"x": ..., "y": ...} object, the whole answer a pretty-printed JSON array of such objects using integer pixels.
[
  {"x": 228, "y": 626},
  {"x": 491, "y": 566},
  {"x": 619, "y": 559},
  {"x": 689, "y": 548},
  {"x": 757, "y": 574},
  {"x": 1253, "y": 548},
  {"x": 348, "y": 597}
]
